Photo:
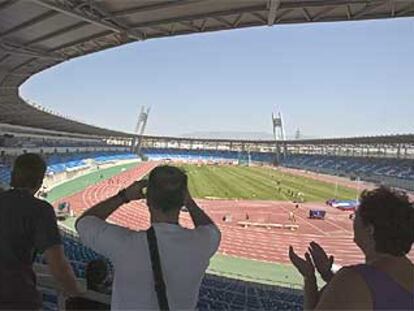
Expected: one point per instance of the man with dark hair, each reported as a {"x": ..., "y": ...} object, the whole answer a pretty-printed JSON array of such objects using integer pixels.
[
  {"x": 28, "y": 172},
  {"x": 184, "y": 253},
  {"x": 28, "y": 226}
]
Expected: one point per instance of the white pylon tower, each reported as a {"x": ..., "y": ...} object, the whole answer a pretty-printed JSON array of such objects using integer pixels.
[
  {"x": 298, "y": 134},
  {"x": 278, "y": 134},
  {"x": 140, "y": 128}
]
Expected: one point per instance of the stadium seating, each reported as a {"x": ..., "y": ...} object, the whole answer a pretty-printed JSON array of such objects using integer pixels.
[
  {"x": 206, "y": 155},
  {"x": 78, "y": 254},
  {"x": 362, "y": 167},
  {"x": 216, "y": 292},
  {"x": 58, "y": 163},
  {"x": 220, "y": 293},
  {"x": 4, "y": 174},
  {"x": 50, "y": 300}
]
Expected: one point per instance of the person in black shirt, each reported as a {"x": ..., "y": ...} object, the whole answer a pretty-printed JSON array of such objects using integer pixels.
[{"x": 28, "y": 226}]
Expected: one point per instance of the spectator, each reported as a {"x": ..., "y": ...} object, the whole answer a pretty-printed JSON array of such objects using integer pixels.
[
  {"x": 184, "y": 253},
  {"x": 384, "y": 231},
  {"x": 27, "y": 226},
  {"x": 97, "y": 276}
]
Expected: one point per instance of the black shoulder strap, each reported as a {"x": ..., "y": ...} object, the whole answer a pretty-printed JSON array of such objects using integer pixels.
[{"x": 159, "y": 284}]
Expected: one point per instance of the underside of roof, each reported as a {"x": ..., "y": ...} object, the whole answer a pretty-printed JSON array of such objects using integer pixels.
[
  {"x": 367, "y": 140},
  {"x": 38, "y": 34}
]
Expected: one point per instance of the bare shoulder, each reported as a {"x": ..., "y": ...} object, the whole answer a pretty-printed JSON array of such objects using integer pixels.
[
  {"x": 411, "y": 269},
  {"x": 347, "y": 275},
  {"x": 347, "y": 290},
  {"x": 348, "y": 281}
]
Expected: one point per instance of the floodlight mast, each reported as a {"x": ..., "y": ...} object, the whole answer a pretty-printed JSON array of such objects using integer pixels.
[
  {"x": 278, "y": 135},
  {"x": 140, "y": 129}
]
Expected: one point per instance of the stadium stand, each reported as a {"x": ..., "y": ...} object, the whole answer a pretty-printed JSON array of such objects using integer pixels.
[
  {"x": 216, "y": 292},
  {"x": 358, "y": 167},
  {"x": 5, "y": 173},
  {"x": 221, "y": 293},
  {"x": 206, "y": 155},
  {"x": 59, "y": 163},
  {"x": 78, "y": 255},
  {"x": 62, "y": 162},
  {"x": 53, "y": 33}
]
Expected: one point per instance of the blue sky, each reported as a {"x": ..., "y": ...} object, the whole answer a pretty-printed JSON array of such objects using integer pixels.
[{"x": 328, "y": 79}]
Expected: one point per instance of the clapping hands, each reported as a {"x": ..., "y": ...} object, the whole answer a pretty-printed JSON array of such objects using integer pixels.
[
  {"x": 304, "y": 266},
  {"x": 322, "y": 262},
  {"x": 316, "y": 257}
]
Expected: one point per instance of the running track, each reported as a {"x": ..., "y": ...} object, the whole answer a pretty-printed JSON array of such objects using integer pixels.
[{"x": 334, "y": 233}]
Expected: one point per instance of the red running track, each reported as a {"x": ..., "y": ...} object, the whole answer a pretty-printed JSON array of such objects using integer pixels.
[{"x": 334, "y": 233}]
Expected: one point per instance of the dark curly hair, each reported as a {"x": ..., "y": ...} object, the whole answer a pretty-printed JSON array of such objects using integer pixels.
[
  {"x": 391, "y": 214},
  {"x": 166, "y": 188}
]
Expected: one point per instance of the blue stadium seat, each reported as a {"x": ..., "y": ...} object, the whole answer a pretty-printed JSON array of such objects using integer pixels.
[
  {"x": 364, "y": 167},
  {"x": 58, "y": 163},
  {"x": 216, "y": 293},
  {"x": 205, "y": 155}
]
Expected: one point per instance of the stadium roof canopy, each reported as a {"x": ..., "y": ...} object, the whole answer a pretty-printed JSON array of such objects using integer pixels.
[
  {"x": 363, "y": 140},
  {"x": 38, "y": 34}
]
